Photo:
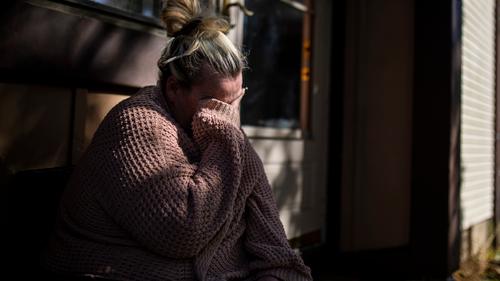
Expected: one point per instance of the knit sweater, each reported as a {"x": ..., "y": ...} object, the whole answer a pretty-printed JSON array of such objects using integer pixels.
[{"x": 147, "y": 201}]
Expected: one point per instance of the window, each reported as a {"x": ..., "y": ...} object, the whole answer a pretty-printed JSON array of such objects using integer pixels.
[
  {"x": 143, "y": 11},
  {"x": 276, "y": 39},
  {"x": 147, "y": 8}
]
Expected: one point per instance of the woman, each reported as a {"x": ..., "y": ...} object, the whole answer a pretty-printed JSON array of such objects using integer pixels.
[{"x": 170, "y": 187}]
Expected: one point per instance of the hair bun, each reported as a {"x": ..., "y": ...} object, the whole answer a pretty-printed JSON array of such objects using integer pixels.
[
  {"x": 189, "y": 28},
  {"x": 215, "y": 24},
  {"x": 176, "y": 14},
  {"x": 184, "y": 17}
]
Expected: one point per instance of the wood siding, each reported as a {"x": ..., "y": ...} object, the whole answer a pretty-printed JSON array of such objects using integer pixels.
[{"x": 478, "y": 111}]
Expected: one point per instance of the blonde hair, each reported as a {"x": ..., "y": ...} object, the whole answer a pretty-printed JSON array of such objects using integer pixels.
[{"x": 196, "y": 40}]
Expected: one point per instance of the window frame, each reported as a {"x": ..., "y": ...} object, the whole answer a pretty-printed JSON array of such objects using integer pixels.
[
  {"x": 304, "y": 130},
  {"x": 112, "y": 11}
]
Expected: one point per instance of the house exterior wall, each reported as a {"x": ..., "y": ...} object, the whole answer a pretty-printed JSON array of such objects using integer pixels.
[
  {"x": 477, "y": 121},
  {"x": 34, "y": 127},
  {"x": 478, "y": 111},
  {"x": 478, "y": 114}
]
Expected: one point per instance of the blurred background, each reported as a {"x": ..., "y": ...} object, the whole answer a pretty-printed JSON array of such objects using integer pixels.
[{"x": 376, "y": 121}]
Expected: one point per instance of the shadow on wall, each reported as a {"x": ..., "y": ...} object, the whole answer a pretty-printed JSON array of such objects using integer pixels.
[
  {"x": 36, "y": 122},
  {"x": 77, "y": 47},
  {"x": 288, "y": 175},
  {"x": 35, "y": 126},
  {"x": 36, "y": 146}
]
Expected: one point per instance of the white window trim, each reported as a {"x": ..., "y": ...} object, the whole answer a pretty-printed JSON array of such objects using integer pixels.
[{"x": 272, "y": 133}]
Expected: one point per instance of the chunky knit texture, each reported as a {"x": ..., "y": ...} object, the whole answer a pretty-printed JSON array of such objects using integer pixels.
[{"x": 148, "y": 202}]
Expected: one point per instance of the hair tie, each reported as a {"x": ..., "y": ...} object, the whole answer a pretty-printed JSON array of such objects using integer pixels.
[{"x": 189, "y": 27}]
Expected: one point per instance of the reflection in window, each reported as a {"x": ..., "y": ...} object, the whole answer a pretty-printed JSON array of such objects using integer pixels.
[
  {"x": 147, "y": 8},
  {"x": 273, "y": 41}
]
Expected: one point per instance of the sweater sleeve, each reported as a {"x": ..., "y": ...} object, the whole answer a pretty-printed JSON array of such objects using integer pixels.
[
  {"x": 172, "y": 206},
  {"x": 266, "y": 239}
]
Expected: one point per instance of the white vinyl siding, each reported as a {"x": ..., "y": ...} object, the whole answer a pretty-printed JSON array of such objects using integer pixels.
[{"x": 478, "y": 111}]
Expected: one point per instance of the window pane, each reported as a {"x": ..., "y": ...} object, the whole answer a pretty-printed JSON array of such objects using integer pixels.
[
  {"x": 147, "y": 8},
  {"x": 273, "y": 40}
]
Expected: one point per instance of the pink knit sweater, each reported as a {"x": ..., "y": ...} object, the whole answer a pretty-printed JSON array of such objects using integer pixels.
[{"x": 148, "y": 202}]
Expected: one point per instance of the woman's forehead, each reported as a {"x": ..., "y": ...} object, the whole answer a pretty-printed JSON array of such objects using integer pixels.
[{"x": 218, "y": 84}]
